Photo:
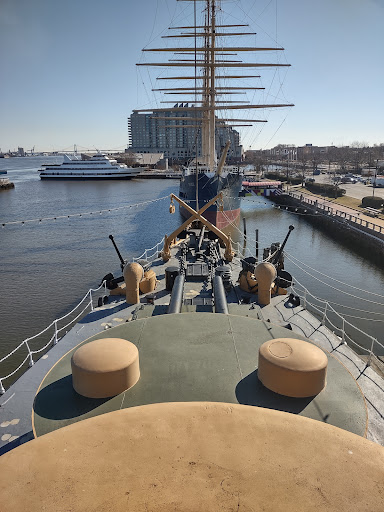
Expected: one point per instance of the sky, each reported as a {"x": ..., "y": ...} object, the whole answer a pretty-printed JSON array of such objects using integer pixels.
[{"x": 68, "y": 71}]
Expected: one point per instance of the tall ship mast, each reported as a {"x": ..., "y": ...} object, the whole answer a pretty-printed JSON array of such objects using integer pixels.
[{"x": 213, "y": 64}]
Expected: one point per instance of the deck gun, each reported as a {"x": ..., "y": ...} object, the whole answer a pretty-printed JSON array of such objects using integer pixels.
[
  {"x": 122, "y": 261},
  {"x": 112, "y": 281},
  {"x": 284, "y": 278},
  {"x": 276, "y": 257}
]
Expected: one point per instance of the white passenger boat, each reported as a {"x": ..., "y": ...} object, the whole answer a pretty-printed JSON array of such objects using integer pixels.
[{"x": 98, "y": 167}]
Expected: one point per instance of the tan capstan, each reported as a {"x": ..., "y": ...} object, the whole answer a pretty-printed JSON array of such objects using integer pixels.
[
  {"x": 292, "y": 367},
  {"x": 133, "y": 274},
  {"x": 195, "y": 456},
  {"x": 265, "y": 274},
  {"x": 105, "y": 367}
]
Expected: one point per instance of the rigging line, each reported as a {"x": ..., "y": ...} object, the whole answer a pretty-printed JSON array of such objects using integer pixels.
[
  {"x": 174, "y": 18},
  {"x": 334, "y": 279},
  {"x": 342, "y": 305},
  {"x": 276, "y": 19},
  {"x": 255, "y": 23},
  {"x": 355, "y": 309},
  {"x": 265, "y": 8},
  {"x": 281, "y": 85},
  {"x": 169, "y": 12},
  {"x": 298, "y": 214},
  {"x": 231, "y": 223},
  {"x": 266, "y": 95},
  {"x": 150, "y": 101},
  {"x": 282, "y": 122},
  {"x": 362, "y": 318},
  {"x": 155, "y": 18},
  {"x": 3, "y": 224},
  {"x": 337, "y": 289}
]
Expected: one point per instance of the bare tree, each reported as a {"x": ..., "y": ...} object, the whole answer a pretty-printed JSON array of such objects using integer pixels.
[
  {"x": 303, "y": 160},
  {"x": 342, "y": 158},
  {"x": 359, "y": 154}
]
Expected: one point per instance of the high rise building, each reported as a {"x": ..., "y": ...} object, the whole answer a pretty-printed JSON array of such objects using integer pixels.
[{"x": 162, "y": 132}]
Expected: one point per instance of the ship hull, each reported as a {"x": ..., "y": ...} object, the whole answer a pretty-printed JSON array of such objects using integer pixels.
[
  {"x": 85, "y": 178},
  {"x": 229, "y": 185}
]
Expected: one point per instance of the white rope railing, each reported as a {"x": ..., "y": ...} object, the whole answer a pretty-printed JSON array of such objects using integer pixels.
[
  {"x": 324, "y": 312},
  {"x": 148, "y": 255},
  {"x": 54, "y": 338},
  {"x": 82, "y": 214},
  {"x": 155, "y": 250},
  {"x": 76, "y": 318},
  {"x": 45, "y": 346}
]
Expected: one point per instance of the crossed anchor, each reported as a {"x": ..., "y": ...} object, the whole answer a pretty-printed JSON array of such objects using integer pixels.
[{"x": 196, "y": 215}]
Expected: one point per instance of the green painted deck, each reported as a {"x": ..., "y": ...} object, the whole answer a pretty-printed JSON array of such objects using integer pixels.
[{"x": 198, "y": 357}]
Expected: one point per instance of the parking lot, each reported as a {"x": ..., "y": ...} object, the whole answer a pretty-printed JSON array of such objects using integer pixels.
[{"x": 356, "y": 190}]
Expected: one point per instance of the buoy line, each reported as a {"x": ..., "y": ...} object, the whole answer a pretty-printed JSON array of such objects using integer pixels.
[{"x": 82, "y": 214}]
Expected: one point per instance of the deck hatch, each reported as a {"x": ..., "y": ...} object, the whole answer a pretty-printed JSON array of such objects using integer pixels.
[
  {"x": 197, "y": 271},
  {"x": 198, "y": 301}
]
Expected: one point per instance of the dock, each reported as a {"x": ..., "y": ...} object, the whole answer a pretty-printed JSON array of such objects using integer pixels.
[
  {"x": 158, "y": 175},
  {"x": 341, "y": 221}
]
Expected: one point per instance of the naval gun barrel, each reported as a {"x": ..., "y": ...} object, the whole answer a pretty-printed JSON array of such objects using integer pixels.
[
  {"x": 221, "y": 305},
  {"x": 177, "y": 295},
  {"x": 275, "y": 259},
  {"x": 122, "y": 262}
]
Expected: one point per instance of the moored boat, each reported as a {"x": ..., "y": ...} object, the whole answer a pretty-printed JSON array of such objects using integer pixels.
[{"x": 98, "y": 167}]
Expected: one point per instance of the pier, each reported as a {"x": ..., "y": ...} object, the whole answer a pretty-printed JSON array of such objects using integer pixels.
[{"x": 152, "y": 174}]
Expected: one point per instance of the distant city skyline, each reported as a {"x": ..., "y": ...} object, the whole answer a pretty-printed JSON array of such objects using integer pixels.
[{"x": 69, "y": 74}]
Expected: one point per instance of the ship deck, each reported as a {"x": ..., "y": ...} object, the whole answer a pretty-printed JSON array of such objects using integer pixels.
[
  {"x": 198, "y": 357},
  {"x": 189, "y": 342}
]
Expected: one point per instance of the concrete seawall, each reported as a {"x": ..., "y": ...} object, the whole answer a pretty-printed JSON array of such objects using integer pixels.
[{"x": 363, "y": 234}]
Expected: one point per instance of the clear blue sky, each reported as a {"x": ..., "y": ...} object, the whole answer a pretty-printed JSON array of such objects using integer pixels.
[{"x": 68, "y": 74}]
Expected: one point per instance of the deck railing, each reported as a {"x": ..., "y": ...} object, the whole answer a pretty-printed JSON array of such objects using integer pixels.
[
  {"x": 152, "y": 253},
  {"x": 57, "y": 330},
  {"x": 322, "y": 309},
  {"x": 71, "y": 317},
  {"x": 336, "y": 323}
]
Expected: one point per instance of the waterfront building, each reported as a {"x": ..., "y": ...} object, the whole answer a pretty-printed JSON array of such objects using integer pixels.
[
  {"x": 145, "y": 159},
  {"x": 163, "y": 132}
]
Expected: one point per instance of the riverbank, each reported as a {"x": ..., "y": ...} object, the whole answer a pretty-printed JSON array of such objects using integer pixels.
[
  {"x": 363, "y": 234},
  {"x": 348, "y": 201}
]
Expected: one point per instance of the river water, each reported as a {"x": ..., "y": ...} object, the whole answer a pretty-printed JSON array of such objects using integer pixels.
[{"x": 47, "y": 266}]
